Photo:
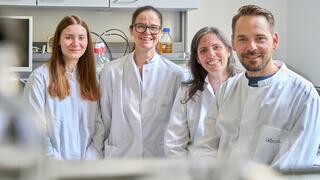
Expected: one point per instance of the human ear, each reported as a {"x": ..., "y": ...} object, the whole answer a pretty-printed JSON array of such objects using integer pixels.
[{"x": 275, "y": 39}]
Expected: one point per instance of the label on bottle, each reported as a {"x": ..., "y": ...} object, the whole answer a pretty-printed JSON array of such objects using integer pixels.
[{"x": 165, "y": 47}]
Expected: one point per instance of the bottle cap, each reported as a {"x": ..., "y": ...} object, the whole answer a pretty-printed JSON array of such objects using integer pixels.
[
  {"x": 97, "y": 50},
  {"x": 166, "y": 29}
]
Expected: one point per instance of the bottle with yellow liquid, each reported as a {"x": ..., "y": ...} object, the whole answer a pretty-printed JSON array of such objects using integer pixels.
[{"x": 165, "y": 45}]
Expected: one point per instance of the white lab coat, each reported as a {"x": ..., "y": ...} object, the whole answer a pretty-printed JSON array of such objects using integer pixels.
[
  {"x": 68, "y": 123},
  {"x": 135, "y": 111},
  {"x": 276, "y": 123},
  {"x": 186, "y": 121}
]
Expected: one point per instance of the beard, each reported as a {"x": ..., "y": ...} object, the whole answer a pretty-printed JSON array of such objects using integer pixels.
[{"x": 254, "y": 65}]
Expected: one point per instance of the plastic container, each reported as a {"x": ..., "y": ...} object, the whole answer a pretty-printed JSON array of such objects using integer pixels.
[
  {"x": 166, "y": 41},
  {"x": 100, "y": 54}
]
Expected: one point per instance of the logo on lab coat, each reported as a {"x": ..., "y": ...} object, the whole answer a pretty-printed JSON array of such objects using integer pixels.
[{"x": 270, "y": 140}]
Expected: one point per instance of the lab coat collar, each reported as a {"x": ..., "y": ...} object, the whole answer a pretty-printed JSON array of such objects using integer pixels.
[
  {"x": 133, "y": 65},
  {"x": 154, "y": 58},
  {"x": 208, "y": 85},
  {"x": 153, "y": 62},
  {"x": 72, "y": 75},
  {"x": 276, "y": 77},
  {"x": 151, "y": 65}
]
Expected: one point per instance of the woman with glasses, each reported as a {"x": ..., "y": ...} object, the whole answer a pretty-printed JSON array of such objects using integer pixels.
[
  {"x": 211, "y": 63},
  {"x": 137, "y": 94}
]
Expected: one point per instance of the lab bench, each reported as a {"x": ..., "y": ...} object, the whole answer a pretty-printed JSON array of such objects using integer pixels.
[{"x": 155, "y": 169}]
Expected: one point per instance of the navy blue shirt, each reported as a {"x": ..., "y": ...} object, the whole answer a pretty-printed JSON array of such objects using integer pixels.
[{"x": 253, "y": 81}]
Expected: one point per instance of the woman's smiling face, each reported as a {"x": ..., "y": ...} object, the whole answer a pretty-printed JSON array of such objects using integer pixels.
[
  {"x": 212, "y": 54},
  {"x": 73, "y": 42},
  {"x": 146, "y": 40}
]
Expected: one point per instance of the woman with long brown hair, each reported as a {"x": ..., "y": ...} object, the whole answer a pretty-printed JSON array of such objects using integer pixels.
[{"x": 63, "y": 92}]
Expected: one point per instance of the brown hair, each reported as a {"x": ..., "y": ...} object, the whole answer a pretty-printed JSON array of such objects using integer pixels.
[
  {"x": 142, "y": 9},
  {"x": 253, "y": 10},
  {"x": 86, "y": 70},
  {"x": 197, "y": 71}
]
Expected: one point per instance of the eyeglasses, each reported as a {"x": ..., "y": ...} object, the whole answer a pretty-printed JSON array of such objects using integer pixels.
[{"x": 141, "y": 28}]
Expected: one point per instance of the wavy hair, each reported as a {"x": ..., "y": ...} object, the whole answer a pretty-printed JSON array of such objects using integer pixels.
[
  {"x": 197, "y": 71},
  {"x": 142, "y": 9}
]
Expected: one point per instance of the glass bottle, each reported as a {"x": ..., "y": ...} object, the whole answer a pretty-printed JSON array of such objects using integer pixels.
[
  {"x": 100, "y": 57},
  {"x": 166, "y": 42}
]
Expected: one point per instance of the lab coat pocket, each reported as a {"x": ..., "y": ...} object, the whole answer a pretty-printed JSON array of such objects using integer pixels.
[
  {"x": 268, "y": 144},
  {"x": 110, "y": 151}
]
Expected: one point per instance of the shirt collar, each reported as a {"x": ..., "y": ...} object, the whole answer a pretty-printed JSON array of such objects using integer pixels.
[
  {"x": 275, "y": 77},
  {"x": 208, "y": 85},
  {"x": 151, "y": 61}
]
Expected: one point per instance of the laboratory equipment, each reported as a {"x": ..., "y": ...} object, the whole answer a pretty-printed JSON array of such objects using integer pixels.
[
  {"x": 18, "y": 33},
  {"x": 166, "y": 42}
]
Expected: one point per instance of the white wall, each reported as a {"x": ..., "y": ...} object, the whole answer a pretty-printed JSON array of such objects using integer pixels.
[
  {"x": 219, "y": 14},
  {"x": 304, "y": 38},
  {"x": 46, "y": 20},
  {"x": 296, "y": 23},
  {"x": 211, "y": 12}
]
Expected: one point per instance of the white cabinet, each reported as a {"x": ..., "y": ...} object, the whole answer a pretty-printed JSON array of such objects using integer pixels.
[
  {"x": 162, "y": 4},
  {"x": 18, "y": 2},
  {"x": 74, "y": 3},
  {"x": 180, "y": 5}
]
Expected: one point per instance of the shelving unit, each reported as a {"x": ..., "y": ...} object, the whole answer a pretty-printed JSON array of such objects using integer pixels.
[{"x": 177, "y": 57}]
